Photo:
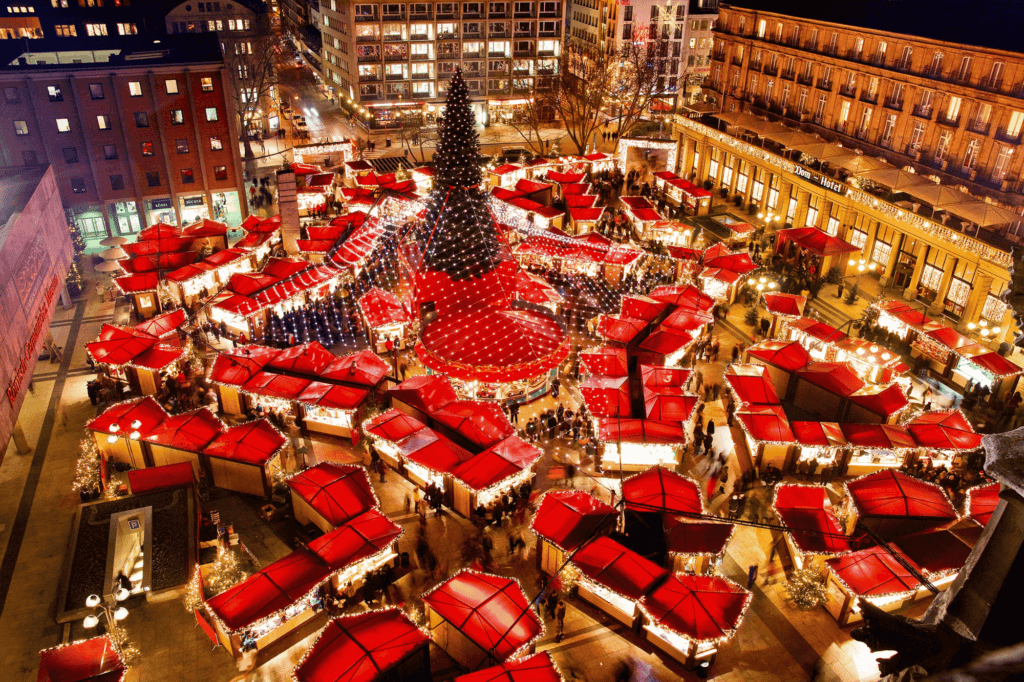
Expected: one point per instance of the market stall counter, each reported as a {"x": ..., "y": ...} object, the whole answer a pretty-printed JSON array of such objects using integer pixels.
[{"x": 613, "y": 578}]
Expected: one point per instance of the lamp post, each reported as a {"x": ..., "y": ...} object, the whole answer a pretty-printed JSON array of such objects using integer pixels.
[
  {"x": 761, "y": 285},
  {"x": 983, "y": 329},
  {"x": 109, "y": 609},
  {"x": 133, "y": 435}
]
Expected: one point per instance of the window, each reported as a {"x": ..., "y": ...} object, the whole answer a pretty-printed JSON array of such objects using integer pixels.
[
  {"x": 1014, "y": 125},
  {"x": 141, "y": 119},
  {"x": 220, "y": 172},
  {"x": 181, "y": 146},
  {"x": 55, "y": 93},
  {"x": 12, "y": 95},
  {"x": 177, "y": 117},
  {"x": 942, "y": 147},
  {"x": 66, "y": 30},
  {"x": 215, "y": 143},
  {"x": 147, "y": 149},
  {"x": 29, "y": 158},
  {"x": 96, "y": 90},
  {"x": 801, "y": 105},
  {"x": 905, "y": 58},
  {"x": 971, "y": 155},
  {"x": 995, "y": 76},
  {"x": 70, "y": 154},
  {"x": 116, "y": 182},
  {"x": 917, "y": 136},
  {"x": 881, "y": 253},
  {"x": 127, "y": 29},
  {"x": 171, "y": 86},
  {"x": 96, "y": 29},
  {"x": 206, "y": 84},
  {"x": 865, "y": 120},
  {"x": 924, "y": 107},
  {"x": 844, "y": 112},
  {"x": 135, "y": 89},
  {"x": 762, "y": 26},
  {"x": 152, "y": 179},
  {"x": 109, "y": 152},
  {"x": 103, "y": 122},
  {"x": 21, "y": 128},
  {"x": 1002, "y": 163},
  {"x": 78, "y": 185},
  {"x": 63, "y": 125},
  {"x": 964, "y": 72},
  {"x": 187, "y": 176},
  {"x": 935, "y": 69},
  {"x": 953, "y": 108},
  {"x": 819, "y": 113},
  {"x": 888, "y": 128},
  {"x": 211, "y": 114}
]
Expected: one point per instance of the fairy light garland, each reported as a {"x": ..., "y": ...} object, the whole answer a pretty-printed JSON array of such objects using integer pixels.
[
  {"x": 852, "y": 503},
  {"x": 107, "y": 636}
]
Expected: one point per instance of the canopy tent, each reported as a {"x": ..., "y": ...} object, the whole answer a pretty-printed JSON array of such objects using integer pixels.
[
  {"x": 254, "y": 442},
  {"x": 938, "y": 196},
  {"x": 656, "y": 376},
  {"x": 205, "y": 228},
  {"x": 881, "y": 436},
  {"x": 568, "y": 518},
  {"x": 938, "y": 553},
  {"x": 787, "y": 355},
  {"x": 121, "y": 417},
  {"x": 817, "y": 329},
  {"x": 162, "y": 326},
  {"x": 642, "y": 307},
  {"x": 819, "y": 434},
  {"x": 902, "y": 311},
  {"x": 807, "y": 514},
  {"x": 481, "y": 423},
  {"x": 361, "y": 648},
  {"x": 944, "y": 431},
  {"x": 364, "y": 536},
  {"x": 894, "y": 178},
  {"x": 699, "y": 538},
  {"x": 164, "y": 477},
  {"x": 382, "y": 308},
  {"x": 430, "y": 449},
  {"x": 607, "y": 360},
  {"x": 119, "y": 345},
  {"x": 981, "y": 502},
  {"x": 669, "y": 403},
  {"x": 824, "y": 151},
  {"x": 619, "y": 328},
  {"x": 616, "y": 568},
  {"x": 686, "y": 320},
  {"x": 874, "y": 572},
  {"x": 606, "y": 396},
  {"x": 535, "y": 290},
  {"x": 491, "y": 611},
  {"x": 189, "y": 431},
  {"x": 834, "y": 377},
  {"x": 498, "y": 462},
  {"x": 818, "y": 241},
  {"x": 751, "y": 384},
  {"x": 309, "y": 359},
  {"x": 701, "y": 608},
  {"x": 236, "y": 366},
  {"x": 861, "y": 163},
  {"x": 332, "y": 396},
  {"x": 87, "y": 660},
  {"x": 651, "y": 431},
  {"x": 983, "y": 213},
  {"x": 666, "y": 341},
  {"x": 895, "y": 494},
  {"x": 765, "y": 423},
  {"x": 790, "y": 138},
  {"x": 734, "y": 262},
  {"x": 788, "y": 305},
  {"x": 338, "y": 492},
  {"x": 426, "y": 392},
  {"x": 882, "y": 400},
  {"x": 394, "y": 425},
  {"x": 535, "y": 668},
  {"x": 660, "y": 490},
  {"x": 687, "y": 297},
  {"x": 364, "y": 368},
  {"x": 275, "y": 385},
  {"x": 991, "y": 361}
]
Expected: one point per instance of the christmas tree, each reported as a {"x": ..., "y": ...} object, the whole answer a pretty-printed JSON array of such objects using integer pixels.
[{"x": 459, "y": 234}]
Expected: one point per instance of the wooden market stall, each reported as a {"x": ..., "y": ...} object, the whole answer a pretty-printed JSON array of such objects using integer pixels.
[
  {"x": 329, "y": 495},
  {"x": 182, "y": 437},
  {"x": 782, "y": 358},
  {"x": 614, "y": 578},
  {"x": 119, "y": 429},
  {"x": 241, "y": 457},
  {"x": 141, "y": 357},
  {"x": 501, "y": 468},
  {"x": 813, "y": 532},
  {"x": 565, "y": 519},
  {"x": 695, "y": 546},
  {"x": 893, "y": 504},
  {"x": 386, "y": 319}
]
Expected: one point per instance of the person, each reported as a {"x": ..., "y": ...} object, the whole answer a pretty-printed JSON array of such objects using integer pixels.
[
  {"x": 560, "y": 617},
  {"x": 711, "y": 427},
  {"x": 570, "y": 474},
  {"x": 552, "y": 602},
  {"x": 531, "y": 430},
  {"x": 555, "y": 383},
  {"x": 100, "y": 291},
  {"x": 380, "y": 469},
  {"x": 709, "y": 442}
]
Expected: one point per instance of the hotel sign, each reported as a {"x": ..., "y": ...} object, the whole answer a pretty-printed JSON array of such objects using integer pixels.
[{"x": 831, "y": 184}]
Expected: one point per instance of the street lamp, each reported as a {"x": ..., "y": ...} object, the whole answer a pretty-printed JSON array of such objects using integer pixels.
[
  {"x": 862, "y": 265},
  {"x": 109, "y": 610},
  {"x": 983, "y": 329}
]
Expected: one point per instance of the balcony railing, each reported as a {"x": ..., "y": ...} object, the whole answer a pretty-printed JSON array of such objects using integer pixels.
[
  {"x": 991, "y": 84},
  {"x": 894, "y": 104},
  {"x": 804, "y": 79},
  {"x": 367, "y": 39},
  {"x": 421, "y": 76},
  {"x": 554, "y": 33},
  {"x": 368, "y": 58},
  {"x": 448, "y": 15},
  {"x": 545, "y": 53},
  {"x": 369, "y": 79},
  {"x": 395, "y": 58},
  {"x": 394, "y": 38},
  {"x": 869, "y": 97},
  {"x": 923, "y": 112},
  {"x": 364, "y": 17},
  {"x": 497, "y": 55},
  {"x": 738, "y": 61},
  {"x": 1003, "y": 135},
  {"x": 854, "y": 55},
  {"x": 421, "y": 57},
  {"x": 770, "y": 70},
  {"x": 522, "y": 53},
  {"x": 788, "y": 75},
  {"x": 978, "y": 126},
  {"x": 824, "y": 85},
  {"x": 945, "y": 120},
  {"x": 413, "y": 16},
  {"x": 498, "y": 34},
  {"x": 718, "y": 56},
  {"x": 419, "y": 36}
]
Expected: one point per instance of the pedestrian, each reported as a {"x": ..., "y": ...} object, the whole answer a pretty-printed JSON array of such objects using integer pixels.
[
  {"x": 100, "y": 291},
  {"x": 91, "y": 362},
  {"x": 709, "y": 442},
  {"x": 555, "y": 383},
  {"x": 380, "y": 469},
  {"x": 751, "y": 576},
  {"x": 711, "y": 427},
  {"x": 570, "y": 474},
  {"x": 560, "y": 617}
]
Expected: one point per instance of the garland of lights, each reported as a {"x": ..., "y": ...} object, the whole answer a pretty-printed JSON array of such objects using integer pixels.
[
  {"x": 132, "y": 650},
  {"x": 851, "y": 500}
]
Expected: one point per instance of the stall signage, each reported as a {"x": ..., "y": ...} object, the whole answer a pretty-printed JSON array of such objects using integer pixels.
[
  {"x": 160, "y": 203},
  {"x": 193, "y": 201},
  {"x": 831, "y": 184}
]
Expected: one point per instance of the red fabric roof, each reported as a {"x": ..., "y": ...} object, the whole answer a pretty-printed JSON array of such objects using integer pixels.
[
  {"x": 818, "y": 241},
  {"x": 482, "y": 423},
  {"x": 620, "y": 329},
  {"x": 533, "y": 290},
  {"x": 119, "y": 345},
  {"x": 163, "y": 325},
  {"x": 427, "y": 393},
  {"x": 430, "y": 449},
  {"x": 751, "y": 384},
  {"x": 531, "y": 187},
  {"x": 787, "y": 355},
  {"x": 817, "y": 330},
  {"x": 361, "y": 647},
  {"x": 253, "y": 240},
  {"x": 995, "y": 363},
  {"x": 766, "y": 423},
  {"x": 187, "y": 272},
  {"x": 276, "y": 385},
  {"x": 906, "y": 314},
  {"x": 834, "y": 377},
  {"x": 607, "y": 360},
  {"x": 248, "y": 283},
  {"x": 205, "y": 228},
  {"x": 156, "y": 262},
  {"x": 721, "y": 275},
  {"x": 606, "y": 396},
  {"x": 333, "y": 396},
  {"x": 873, "y": 571},
  {"x": 338, "y": 492},
  {"x": 137, "y": 284},
  {"x": 238, "y": 365},
  {"x": 807, "y": 514},
  {"x": 254, "y": 442},
  {"x": 893, "y": 493},
  {"x": 639, "y": 431},
  {"x": 616, "y": 568},
  {"x": 309, "y": 358},
  {"x": 243, "y": 306},
  {"x": 819, "y": 434},
  {"x": 506, "y": 168},
  {"x": 568, "y": 518},
  {"x": 790, "y": 305},
  {"x": 189, "y": 431},
  {"x": 364, "y": 368},
  {"x": 666, "y": 340},
  {"x": 646, "y": 214},
  {"x": 655, "y": 376},
  {"x": 698, "y": 607},
  {"x": 394, "y": 425},
  {"x": 982, "y": 501},
  {"x": 884, "y": 401},
  {"x": 165, "y": 477},
  {"x": 937, "y": 552},
  {"x": 89, "y": 660},
  {"x": 687, "y": 320},
  {"x": 381, "y": 307},
  {"x": 159, "y": 231},
  {"x": 535, "y": 668},
  {"x": 585, "y": 214},
  {"x": 636, "y": 202},
  {"x": 684, "y": 536},
  {"x": 660, "y": 490},
  {"x": 735, "y": 262},
  {"x": 491, "y": 611},
  {"x": 152, "y": 247},
  {"x": 145, "y": 410},
  {"x": 642, "y": 307},
  {"x": 158, "y": 357},
  {"x": 359, "y": 538},
  {"x": 688, "y": 297},
  {"x": 669, "y": 404},
  {"x": 882, "y": 436},
  {"x": 359, "y": 243},
  {"x": 497, "y": 463}
]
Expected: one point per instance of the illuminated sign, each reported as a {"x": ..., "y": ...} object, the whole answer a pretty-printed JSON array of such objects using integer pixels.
[{"x": 831, "y": 184}]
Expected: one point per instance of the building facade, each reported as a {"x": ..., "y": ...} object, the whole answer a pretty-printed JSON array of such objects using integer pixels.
[
  {"x": 683, "y": 29},
  {"x": 137, "y": 131},
  {"x": 81, "y": 18},
  {"x": 955, "y": 111},
  {"x": 397, "y": 59}
]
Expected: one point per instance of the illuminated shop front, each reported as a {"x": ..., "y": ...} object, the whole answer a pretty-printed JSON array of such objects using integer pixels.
[{"x": 161, "y": 211}]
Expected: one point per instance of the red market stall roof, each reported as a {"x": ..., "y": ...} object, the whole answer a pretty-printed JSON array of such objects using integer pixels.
[
  {"x": 636, "y": 202},
  {"x": 338, "y": 492},
  {"x": 734, "y": 262},
  {"x": 981, "y": 502},
  {"x": 381, "y": 308},
  {"x": 881, "y": 436},
  {"x": 491, "y": 611},
  {"x": 426, "y": 392},
  {"x": 991, "y": 362},
  {"x": 254, "y": 442},
  {"x": 807, "y": 514},
  {"x": 606, "y": 360},
  {"x": 137, "y": 284},
  {"x": 727, "y": 276},
  {"x": 158, "y": 357},
  {"x": 937, "y": 552},
  {"x": 787, "y": 355},
  {"x": 529, "y": 288},
  {"x": 506, "y": 168},
  {"x": 751, "y": 384},
  {"x": 716, "y": 250},
  {"x": 154, "y": 263},
  {"x": 481, "y": 423},
  {"x": 155, "y": 247},
  {"x": 164, "y": 325},
  {"x": 535, "y": 668},
  {"x": 254, "y": 240},
  {"x": 364, "y": 536},
  {"x": 906, "y": 314},
  {"x": 834, "y": 377},
  {"x": 333, "y": 396},
  {"x": 144, "y": 410},
  {"x": 620, "y": 329},
  {"x": 696, "y": 538},
  {"x": 789, "y": 305},
  {"x": 565, "y": 178},
  {"x": 394, "y": 425},
  {"x": 306, "y": 169},
  {"x": 236, "y": 366},
  {"x": 666, "y": 340},
  {"x": 497, "y": 463},
  {"x": 159, "y": 231},
  {"x": 950, "y": 338},
  {"x": 164, "y": 477},
  {"x": 655, "y": 376},
  {"x": 585, "y": 215},
  {"x": 818, "y": 241},
  {"x": 642, "y": 307},
  {"x": 818, "y": 434},
  {"x": 687, "y": 320},
  {"x": 364, "y": 368},
  {"x": 669, "y": 404},
  {"x": 430, "y": 449},
  {"x": 308, "y": 358},
  {"x": 700, "y": 608},
  {"x": 765, "y": 423},
  {"x": 616, "y": 568},
  {"x": 611, "y": 429},
  {"x": 816, "y": 329},
  {"x": 660, "y": 490},
  {"x": 187, "y": 272},
  {"x": 893, "y": 493},
  {"x": 568, "y": 518},
  {"x": 88, "y": 660},
  {"x": 606, "y": 396},
  {"x": 884, "y": 401},
  {"x": 874, "y": 572},
  {"x": 687, "y": 298},
  {"x": 361, "y": 648},
  {"x": 119, "y": 345},
  {"x": 205, "y": 228},
  {"x": 276, "y": 385},
  {"x": 189, "y": 431}
]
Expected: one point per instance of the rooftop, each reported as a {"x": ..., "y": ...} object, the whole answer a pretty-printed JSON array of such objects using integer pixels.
[{"x": 107, "y": 52}]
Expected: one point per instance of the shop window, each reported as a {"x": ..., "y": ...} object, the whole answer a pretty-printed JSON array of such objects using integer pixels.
[
  {"x": 216, "y": 144},
  {"x": 78, "y": 185},
  {"x": 21, "y": 128},
  {"x": 220, "y": 172},
  {"x": 153, "y": 179},
  {"x": 211, "y": 114},
  {"x": 96, "y": 90},
  {"x": 141, "y": 119},
  {"x": 116, "y": 182},
  {"x": 70, "y": 155},
  {"x": 206, "y": 84},
  {"x": 109, "y": 152},
  {"x": 147, "y": 149},
  {"x": 177, "y": 117},
  {"x": 187, "y": 177},
  {"x": 63, "y": 125},
  {"x": 135, "y": 89},
  {"x": 181, "y": 146}
]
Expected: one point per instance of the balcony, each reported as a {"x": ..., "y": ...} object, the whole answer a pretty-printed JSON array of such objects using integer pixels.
[
  {"x": 428, "y": 15},
  {"x": 499, "y": 15},
  {"x": 392, "y": 77},
  {"x": 421, "y": 77},
  {"x": 805, "y": 79},
  {"x": 738, "y": 61},
  {"x": 770, "y": 70},
  {"x": 861, "y": 134},
  {"x": 448, "y": 15},
  {"x": 366, "y": 17},
  {"x": 522, "y": 72},
  {"x": 422, "y": 57},
  {"x": 923, "y": 112},
  {"x": 472, "y": 15},
  {"x": 549, "y": 15},
  {"x": 854, "y": 55},
  {"x": 960, "y": 78},
  {"x": 498, "y": 34},
  {"x": 419, "y": 36},
  {"x": 394, "y": 38},
  {"x": 978, "y": 126},
  {"x": 532, "y": 14},
  {"x": 869, "y": 97},
  {"x": 545, "y": 72},
  {"x": 902, "y": 66},
  {"x": 367, "y": 39},
  {"x": 894, "y": 104},
  {"x": 369, "y": 97},
  {"x": 447, "y": 35},
  {"x": 369, "y": 78},
  {"x": 528, "y": 33},
  {"x": 756, "y": 66},
  {"x": 545, "y": 53},
  {"x": 824, "y": 85},
  {"x": 841, "y": 127},
  {"x": 395, "y": 58},
  {"x": 523, "y": 53},
  {"x": 475, "y": 54},
  {"x": 498, "y": 55},
  {"x": 788, "y": 75},
  {"x": 718, "y": 56},
  {"x": 394, "y": 96},
  {"x": 831, "y": 50},
  {"x": 364, "y": 58},
  {"x": 991, "y": 84},
  {"x": 878, "y": 59},
  {"x": 811, "y": 45},
  {"x": 394, "y": 17},
  {"x": 945, "y": 120},
  {"x": 1003, "y": 135},
  {"x": 549, "y": 34}
]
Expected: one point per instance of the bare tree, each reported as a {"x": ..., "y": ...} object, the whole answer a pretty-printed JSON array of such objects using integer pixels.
[
  {"x": 579, "y": 91},
  {"x": 415, "y": 139},
  {"x": 251, "y": 61},
  {"x": 643, "y": 73}
]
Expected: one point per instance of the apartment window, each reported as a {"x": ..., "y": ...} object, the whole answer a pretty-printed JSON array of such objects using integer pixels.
[
  {"x": 984, "y": 114},
  {"x": 791, "y": 210},
  {"x": 127, "y": 29},
  {"x": 215, "y": 143},
  {"x": 883, "y": 47},
  {"x": 858, "y": 46},
  {"x": 206, "y": 84},
  {"x": 116, "y": 182},
  {"x": 844, "y": 112},
  {"x": 55, "y": 93},
  {"x": 171, "y": 86},
  {"x": 942, "y": 147},
  {"x": 917, "y": 136},
  {"x": 778, "y": 33},
  {"x": 833, "y": 43},
  {"x": 925, "y": 105},
  {"x": 801, "y": 104},
  {"x": 63, "y": 125},
  {"x": 865, "y": 119},
  {"x": 995, "y": 75},
  {"x": 762, "y": 27},
  {"x": 1014, "y": 126},
  {"x": 96, "y": 29},
  {"x": 152, "y": 179},
  {"x": 103, "y": 122},
  {"x": 141, "y": 119},
  {"x": 135, "y": 88},
  {"x": 78, "y": 185},
  {"x": 21, "y": 128},
  {"x": 187, "y": 177},
  {"x": 181, "y": 146},
  {"x": 29, "y": 157},
  {"x": 1002, "y": 163},
  {"x": 964, "y": 72},
  {"x": 953, "y": 108},
  {"x": 12, "y": 95},
  {"x": 211, "y": 114},
  {"x": 935, "y": 69},
  {"x": 819, "y": 113},
  {"x": 971, "y": 155},
  {"x": 109, "y": 152},
  {"x": 812, "y": 212},
  {"x": 905, "y": 58},
  {"x": 888, "y": 128},
  {"x": 66, "y": 30},
  {"x": 896, "y": 98},
  {"x": 147, "y": 149},
  {"x": 96, "y": 90},
  {"x": 220, "y": 172}
]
